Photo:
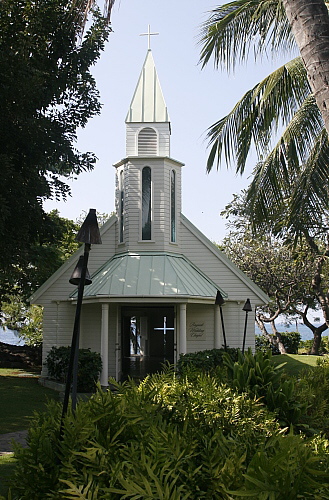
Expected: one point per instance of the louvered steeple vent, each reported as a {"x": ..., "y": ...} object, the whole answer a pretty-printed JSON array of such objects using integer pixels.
[{"x": 147, "y": 142}]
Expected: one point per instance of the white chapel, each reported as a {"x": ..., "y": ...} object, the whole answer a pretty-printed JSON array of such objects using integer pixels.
[{"x": 155, "y": 276}]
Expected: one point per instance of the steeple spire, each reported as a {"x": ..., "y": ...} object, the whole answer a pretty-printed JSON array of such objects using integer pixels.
[{"x": 148, "y": 104}]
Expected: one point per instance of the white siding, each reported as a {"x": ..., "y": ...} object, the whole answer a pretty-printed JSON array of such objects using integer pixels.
[
  {"x": 208, "y": 262},
  {"x": 90, "y": 328},
  {"x": 58, "y": 321}
]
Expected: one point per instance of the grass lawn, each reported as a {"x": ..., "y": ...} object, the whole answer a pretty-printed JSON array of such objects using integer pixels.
[
  {"x": 7, "y": 466},
  {"x": 20, "y": 396},
  {"x": 296, "y": 362}
]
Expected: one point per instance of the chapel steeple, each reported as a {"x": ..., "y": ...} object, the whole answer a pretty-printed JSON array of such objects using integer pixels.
[{"x": 148, "y": 195}]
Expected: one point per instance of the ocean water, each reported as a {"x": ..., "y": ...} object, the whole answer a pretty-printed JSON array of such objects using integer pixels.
[
  {"x": 10, "y": 337},
  {"x": 305, "y": 333}
]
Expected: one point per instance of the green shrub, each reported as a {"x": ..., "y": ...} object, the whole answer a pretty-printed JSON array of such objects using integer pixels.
[
  {"x": 288, "y": 468},
  {"x": 256, "y": 375},
  {"x": 290, "y": 340},
  {"x": 253, "y": 373},
  {"x": 181, "y": 438},
  {"x": 313, "y": 388},
  {"x": 89, "y": 366},
  {"x": 204, "y": 361},
  {"x": 169, "y": 438},
  {"x": 263, "y": 344}
]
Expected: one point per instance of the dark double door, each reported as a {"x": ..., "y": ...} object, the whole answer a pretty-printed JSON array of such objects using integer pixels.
[{"x": 148, "y": 340}]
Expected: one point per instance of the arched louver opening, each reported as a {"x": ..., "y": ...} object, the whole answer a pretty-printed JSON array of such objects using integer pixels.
[{"x": 147, "y": 142}]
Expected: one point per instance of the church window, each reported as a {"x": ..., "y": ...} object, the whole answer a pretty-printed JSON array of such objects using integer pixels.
[
  {"x": 146, "y": 203},
  {"x": 147, "y": 142},
  {"x": 173, "y": 206},
  {"x": 121, "y": 207}
]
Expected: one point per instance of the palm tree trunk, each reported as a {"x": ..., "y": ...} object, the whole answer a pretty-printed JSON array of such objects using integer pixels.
[{"x": 309, "y": 21}]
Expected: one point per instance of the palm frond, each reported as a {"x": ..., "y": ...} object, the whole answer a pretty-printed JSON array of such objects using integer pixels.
[
  {"x": 235, "y": 28},
  {"x": 257, "y": 116},
  {"x": 86, "y": 5},
  {"x": 291, "y": 184},
  {"x": 310, "y": 196},
  {"x": 83, "y": 7}
]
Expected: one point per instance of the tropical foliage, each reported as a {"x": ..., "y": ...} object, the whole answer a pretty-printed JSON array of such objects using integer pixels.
[
  {"x": 290, "y": 340},
  {"x": 173, "y": 438}
]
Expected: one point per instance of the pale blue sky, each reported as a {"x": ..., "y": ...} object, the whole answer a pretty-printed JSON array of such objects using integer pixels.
[{"x": 195, "y": 99}]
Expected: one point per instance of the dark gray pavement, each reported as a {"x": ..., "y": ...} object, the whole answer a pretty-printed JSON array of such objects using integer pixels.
[{"x": 6, "y": 441}]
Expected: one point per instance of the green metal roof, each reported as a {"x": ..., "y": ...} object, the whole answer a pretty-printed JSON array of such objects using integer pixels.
[{"x": 150, "y": 274}]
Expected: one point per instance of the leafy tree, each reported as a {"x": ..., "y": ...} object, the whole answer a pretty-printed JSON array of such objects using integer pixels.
[
  {"x": 58, "y": 243},
  {"x": 47, "y": 93},
  {"x": 285, "y": 272},
  {"x": 25, "y": 319},
  {"x": 55, "y": 245}
]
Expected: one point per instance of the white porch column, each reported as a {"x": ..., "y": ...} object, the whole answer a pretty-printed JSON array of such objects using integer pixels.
[
  {"x": 117, "y": 345},
  {"x": 182, "y": 329},
  {"x": 217, "y": 336},
  {"x": 104, "y": 379}
]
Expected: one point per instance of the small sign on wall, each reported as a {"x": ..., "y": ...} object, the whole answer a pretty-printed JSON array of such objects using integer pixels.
[{"x": 196, "y": 330}]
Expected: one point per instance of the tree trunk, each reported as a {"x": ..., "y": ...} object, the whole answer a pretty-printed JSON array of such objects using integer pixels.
[
  {"x": 317, "y": 332},
  {"x": 278, "y": 338},
  {"x": 316, "y": 341},
  {"x": 309, "y": 21},
  {"x": 262, "y": 327}
]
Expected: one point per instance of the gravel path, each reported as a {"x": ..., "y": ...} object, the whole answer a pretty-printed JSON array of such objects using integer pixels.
[{"x": 7, "y": 439}]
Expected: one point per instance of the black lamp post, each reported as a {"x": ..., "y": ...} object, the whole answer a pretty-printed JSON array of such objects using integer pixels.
[
  {"x": 220, "y": 301},
  {"x": 247, "y": 308},
  {"x": 88, "y": 234}
]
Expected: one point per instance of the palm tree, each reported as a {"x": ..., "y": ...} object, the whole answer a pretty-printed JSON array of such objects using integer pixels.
[
  {"x": 85, "y": 6},
  {"x": 309, "y": 23},
  {"x": 290, "y": 178}
]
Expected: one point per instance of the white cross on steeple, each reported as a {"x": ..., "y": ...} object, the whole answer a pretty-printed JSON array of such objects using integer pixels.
[{"x": 148, "y": 34}]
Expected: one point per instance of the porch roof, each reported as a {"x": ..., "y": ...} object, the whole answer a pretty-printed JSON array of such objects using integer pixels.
[{"x": 150, "y": 274}]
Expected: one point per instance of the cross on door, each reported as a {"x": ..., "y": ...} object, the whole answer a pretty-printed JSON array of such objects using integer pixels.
[{"x": 165, "y": 329}]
